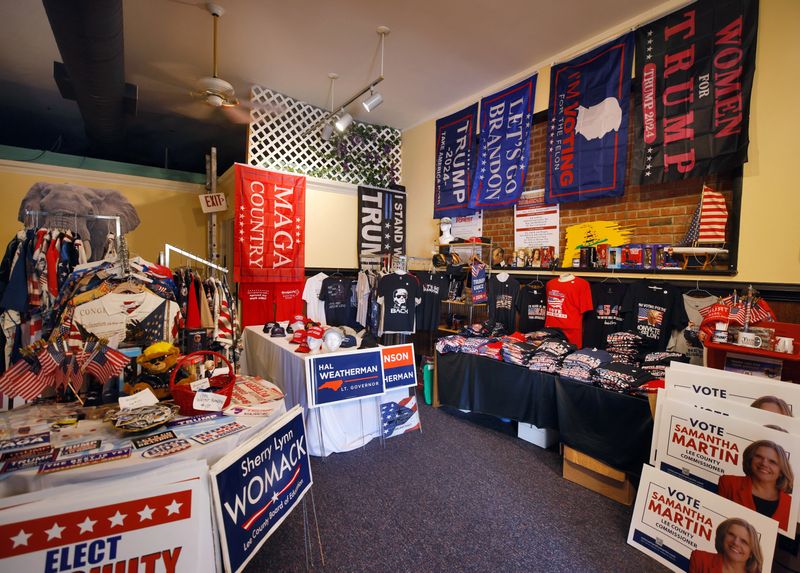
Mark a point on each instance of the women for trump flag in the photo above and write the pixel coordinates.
(587, 145)
(455, 163)
(504, 148)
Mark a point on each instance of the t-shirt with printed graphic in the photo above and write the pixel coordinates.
(532, 308)
(399, 294)
(606, 317)
(687, 341)
(315, 307)
(336, 293)
(653, 311)
(566, 303)
(434, 290)
(503, 301)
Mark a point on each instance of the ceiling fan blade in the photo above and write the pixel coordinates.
(236, 114)
(195, 110)
(178, 76)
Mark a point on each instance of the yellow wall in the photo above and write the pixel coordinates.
(769, 244)
(169, 210)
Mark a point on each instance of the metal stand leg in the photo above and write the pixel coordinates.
(361, 413)
(306, 537)
(319, 431)
(416, 399)
(316, 523)
(380, 422)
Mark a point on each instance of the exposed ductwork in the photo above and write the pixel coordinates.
(89, 35)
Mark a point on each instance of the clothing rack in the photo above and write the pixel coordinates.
(170, 248)
(36, 214)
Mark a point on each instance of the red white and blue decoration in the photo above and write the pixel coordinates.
(504, 147)
(400, 417)
(258, 485)
(695, 68)
(587, 146)
(455, 163)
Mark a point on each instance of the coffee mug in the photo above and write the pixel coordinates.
(784, 344)
(749, 339)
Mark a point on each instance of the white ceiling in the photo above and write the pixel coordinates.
(438, 53)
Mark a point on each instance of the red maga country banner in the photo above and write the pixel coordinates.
(270, 226)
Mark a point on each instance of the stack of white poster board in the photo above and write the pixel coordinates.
(725, 452)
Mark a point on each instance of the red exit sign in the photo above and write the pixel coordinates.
(213, 202)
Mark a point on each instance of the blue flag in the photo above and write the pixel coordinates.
(455, 163)
(587, 144)
(505, 146)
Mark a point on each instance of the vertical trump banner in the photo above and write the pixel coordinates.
(381, 221)
(270, 226)
(455, 163)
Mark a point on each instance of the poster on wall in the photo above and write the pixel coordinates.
(270, 226)
(587, 147)
(504, 147)
(258, 485)
(536, 226)
(468, 226)
(455, 163)
(695, 68)
(381, 221)
(689, 529)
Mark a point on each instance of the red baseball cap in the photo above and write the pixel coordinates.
(299, 337)
(298, 318)
(303, 348)
(316, 332)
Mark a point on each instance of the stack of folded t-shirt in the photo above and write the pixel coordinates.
(620, 377)
(473, 345)
(450, 344)
(516, 352)
(492, 349)
(579, 365)
(624, 347)
(656, 363)
(549, 355)
(538, 336)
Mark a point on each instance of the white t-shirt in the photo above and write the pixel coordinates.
(109, 315)
(686, 341)
(315, 308)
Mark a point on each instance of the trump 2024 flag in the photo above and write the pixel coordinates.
(505, 146)
(455, 163)
(587, 145)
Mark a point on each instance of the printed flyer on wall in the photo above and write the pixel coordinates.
(736, 458)
(689, 529)
(536, 224)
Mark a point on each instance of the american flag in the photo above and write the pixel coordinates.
(400, 417)
(713, 217)
(107, 363)
(152, 326)
(225, 334)
(23, 379)
(694, 230)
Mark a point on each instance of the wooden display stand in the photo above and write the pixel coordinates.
(716, 351)
(597, 476)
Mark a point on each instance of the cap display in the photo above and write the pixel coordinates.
(304, 348)
(298, 337)
(315, 332)
(277, 331)
(268, 327)
(368, 340)
(348, 341)
(333, 339)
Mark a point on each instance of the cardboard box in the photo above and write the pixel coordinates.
(541, 437)
(597, 476)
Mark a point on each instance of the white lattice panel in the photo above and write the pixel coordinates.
(281, 138)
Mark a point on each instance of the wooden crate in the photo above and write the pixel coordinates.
(597, 476)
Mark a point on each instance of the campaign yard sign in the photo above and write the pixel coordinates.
(343, 376)
(399, 366)
(677, 524)
(257, 486)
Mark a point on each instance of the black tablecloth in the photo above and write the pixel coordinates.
(613, 428)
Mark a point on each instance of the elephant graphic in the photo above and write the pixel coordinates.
(66, 206)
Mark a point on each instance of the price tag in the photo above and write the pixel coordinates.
(143, 398)
(201, 384)
(208, 401)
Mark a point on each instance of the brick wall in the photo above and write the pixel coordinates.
(659, 213)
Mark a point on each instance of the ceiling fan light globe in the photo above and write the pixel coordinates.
(214, 100)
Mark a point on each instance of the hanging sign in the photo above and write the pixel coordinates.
(505, 146)
(536, 225)
(270, 226)
(257, 486)
(344, 376)
(587, 147)
(687, 528)
(695, 68)
(213, 202)
(381, 221)
(455, 163)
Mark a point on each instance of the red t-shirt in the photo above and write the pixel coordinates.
(267, 302)
(566, 303)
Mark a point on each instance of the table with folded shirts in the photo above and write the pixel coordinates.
(31, 420)
(333, 428)
(614, 428)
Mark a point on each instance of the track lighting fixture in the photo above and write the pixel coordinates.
(344, 121)
(374, 100)
(327, 132)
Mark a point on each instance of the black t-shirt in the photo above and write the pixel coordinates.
(434, 287)
(606, 316)
(400, 294)
(336, 294)
(653, 311)
(503, 301)
(532, 307)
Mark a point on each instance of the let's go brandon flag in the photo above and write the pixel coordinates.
(695, 68)
(587, 146)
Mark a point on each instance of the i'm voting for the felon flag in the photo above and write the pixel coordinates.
(750, 464)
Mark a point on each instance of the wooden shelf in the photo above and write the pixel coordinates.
(450, 330)
(793, 357)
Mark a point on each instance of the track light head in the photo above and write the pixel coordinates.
(327, 132)
(344, 121)
(373, 101)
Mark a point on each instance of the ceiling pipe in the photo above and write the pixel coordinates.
(89, 35)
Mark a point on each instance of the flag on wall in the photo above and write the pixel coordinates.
(695, 68)
(455, 163)
(587, 144)
(270, 226)
(381, 221)
(504, 148)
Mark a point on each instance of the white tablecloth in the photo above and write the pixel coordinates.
(336, 428)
